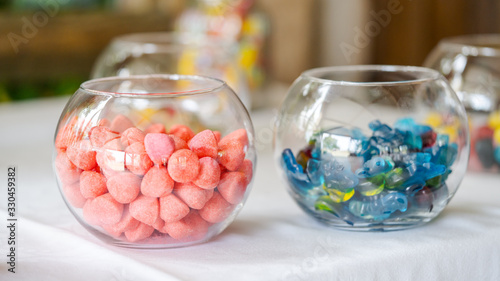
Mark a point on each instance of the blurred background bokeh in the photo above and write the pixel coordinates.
(48, 47)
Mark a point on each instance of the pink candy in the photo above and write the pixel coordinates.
(102, 210)
(217, 136)
(127, 222)
(159, 224)
(239, 135)
(135, 183)
(247, 169)
(132, 135)
(67, 135)
(217, 209)
(157, 182)
(232, 187)
(121, 123)
(183, 166)
(182, 131)
(209, 175)
(172, 208)
(136, 159)
(179, 143)
(92, 184)
(192, 195)
(232, 149)
(100, 135)
(159, 147)
(67, 171)
(82, 155)
(124, 187)
(143, 231)
(145, 209)
(192, 226)
(111, 158)
(156, 128)
(204, 144)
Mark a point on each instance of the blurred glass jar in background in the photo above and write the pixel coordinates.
(170, 52)
(240, 21)
(471, 63)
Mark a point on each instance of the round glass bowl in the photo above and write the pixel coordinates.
(357, 149)
(472, 65)
(154, 161)
(171, 52)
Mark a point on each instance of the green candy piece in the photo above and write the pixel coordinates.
(371, 186)
(325, 203)
(322, 204)
(395, 178)
(434, 182)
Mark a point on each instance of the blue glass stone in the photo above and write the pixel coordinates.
(316, 153)
(411, 190)
(339, 178)
(298, 181)
(414, 169)
(418, 158)
(413, 141)
(444, 154)
(336, 176)
(375, 166)
(290, 162)
(395, 201)
(497, 154)
(381, 207)
(314, 172)
(386, 140)
(408, 124)
(369, 149)
(442, 139)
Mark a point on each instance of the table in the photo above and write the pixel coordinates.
(271, 239)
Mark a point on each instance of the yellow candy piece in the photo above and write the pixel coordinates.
(496, 136)
(494, 120)
(338, 196)
(434, 120)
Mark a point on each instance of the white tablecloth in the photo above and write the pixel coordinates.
(271, 239)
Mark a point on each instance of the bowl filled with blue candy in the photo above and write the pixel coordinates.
(359, 149)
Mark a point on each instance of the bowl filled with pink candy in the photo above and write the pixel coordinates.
(155, 161)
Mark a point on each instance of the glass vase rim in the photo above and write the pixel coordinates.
(486, 45)
(218, 84)
(427, 74)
